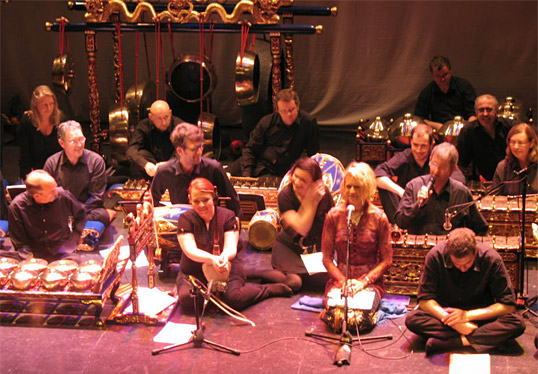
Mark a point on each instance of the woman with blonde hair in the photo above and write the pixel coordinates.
(37, 133)
(370, 248)
(521, 153)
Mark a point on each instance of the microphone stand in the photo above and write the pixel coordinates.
(197, 338)
(343, 352)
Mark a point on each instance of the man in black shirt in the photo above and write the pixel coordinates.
(150, 143)
(422, 209)
(176, 174)
(404, 166)
(482, 143)
(446, 97)
(80, 171)
(45, 221)
(465, 297)
(278, 140)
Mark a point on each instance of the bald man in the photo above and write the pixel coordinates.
(150, 142)
(45, 221)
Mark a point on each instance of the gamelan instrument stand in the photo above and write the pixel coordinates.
(343, 352)
(197, 338)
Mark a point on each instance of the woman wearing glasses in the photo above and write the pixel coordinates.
(521, 153)
(37, 132)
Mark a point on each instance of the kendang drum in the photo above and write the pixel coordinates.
(263, 228)
(332, 172)
(358, 319)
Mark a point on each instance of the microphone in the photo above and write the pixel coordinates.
(350, 209)
(428, 188)
(447, 225)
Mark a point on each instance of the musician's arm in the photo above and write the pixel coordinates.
(328, 249)
(231, 238)
(191, 250)
(300, 221)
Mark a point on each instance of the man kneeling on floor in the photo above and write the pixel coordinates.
(465, 298)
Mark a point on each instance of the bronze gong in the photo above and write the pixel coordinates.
(63, 72)
(183, 77)
(247, 78)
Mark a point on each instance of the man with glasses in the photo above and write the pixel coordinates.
(404, 166)
(150, 144)
(446, 96)
(80, 171)
(278, 140)
(45, 221)
(176, 174)
(422, 209)
(482, 143)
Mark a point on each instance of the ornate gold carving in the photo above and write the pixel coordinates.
(98, 12)
(275, 52)
(95, 121)
(182, 11)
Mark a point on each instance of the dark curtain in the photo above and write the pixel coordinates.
(371, 59)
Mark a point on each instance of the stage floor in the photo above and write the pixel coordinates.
(276, 344)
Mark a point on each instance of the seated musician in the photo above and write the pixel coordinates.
(196, 236)
(45, 221)
(521, 152)
(80, 171)
(278, 140)
(422, 210)
(176, 174)
(303, 205)
(370, 250)
(465, 297)
(406, 165)
(150, 144)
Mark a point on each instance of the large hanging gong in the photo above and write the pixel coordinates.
(183, 77)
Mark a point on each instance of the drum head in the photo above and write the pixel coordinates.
(332, 172)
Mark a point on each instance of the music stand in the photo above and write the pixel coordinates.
(197, 338)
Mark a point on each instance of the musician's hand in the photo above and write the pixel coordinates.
(465, 328)
(357, 286)
(150, 169)
(316, 191)
(423, 195)
(455, 316)
(220, 263)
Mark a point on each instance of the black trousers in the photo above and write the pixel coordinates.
(239, 294)
(488, 335)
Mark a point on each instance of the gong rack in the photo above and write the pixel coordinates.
(185, 16)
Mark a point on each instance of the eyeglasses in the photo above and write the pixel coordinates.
(194, 149)
(80, 140)
(518, 143)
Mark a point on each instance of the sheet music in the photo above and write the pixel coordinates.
(141, 260)
(151, 301)
(363, 300)
(469, 363)
(313, 263)
(175, 333)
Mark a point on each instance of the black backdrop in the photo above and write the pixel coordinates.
(371, 60)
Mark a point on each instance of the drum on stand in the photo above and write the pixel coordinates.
(263, 227)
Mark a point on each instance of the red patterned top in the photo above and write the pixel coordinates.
(370, 248)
